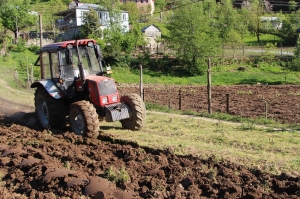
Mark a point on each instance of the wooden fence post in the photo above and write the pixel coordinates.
(141, 82)
(179, 99)
(227, 103)
(209, 87)
(266, 109)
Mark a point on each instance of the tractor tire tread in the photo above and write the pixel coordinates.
(56, 107)
(91, 118)
(138, 112)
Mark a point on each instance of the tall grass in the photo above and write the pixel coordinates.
(271, 75)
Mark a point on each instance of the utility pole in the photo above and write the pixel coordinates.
(41, 30)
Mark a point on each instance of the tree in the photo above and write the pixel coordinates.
(255, 11)
(91, 26)
(133, 11)
(16, 15)
(46, 9)
(228, 23)
(160, 4)
(193, 37)
(292, 5)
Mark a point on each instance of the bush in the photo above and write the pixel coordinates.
(34, 48)
(295, 64)
(117, 176)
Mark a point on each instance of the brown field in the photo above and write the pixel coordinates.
(37, 163)
(280, 102)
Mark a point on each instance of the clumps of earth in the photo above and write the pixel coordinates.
(48, 164)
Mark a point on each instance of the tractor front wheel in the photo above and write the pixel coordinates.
(50, 112)
(84, 119)
(138, 112)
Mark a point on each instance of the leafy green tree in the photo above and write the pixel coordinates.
(113, 39)
(91, 27)
(292, 5)
(132, 39)
(133, 11)
(47, 9)
(192, 36)
(228, 23)
(288, 31)
(16, 15)
(256, 10)
(160, 5)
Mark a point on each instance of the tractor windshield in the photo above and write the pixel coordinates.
(90, 63)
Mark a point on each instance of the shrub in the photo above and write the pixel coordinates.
(33, 48)
(117, 176)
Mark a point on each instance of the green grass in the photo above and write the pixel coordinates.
(228, 75)
(272, 151)
(251, 40)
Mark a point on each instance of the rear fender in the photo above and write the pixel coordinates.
(50, 87)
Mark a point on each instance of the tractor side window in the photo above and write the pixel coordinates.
(85, 61)
(54, 61)
(93, 59)
(46, 65)
(67, 69)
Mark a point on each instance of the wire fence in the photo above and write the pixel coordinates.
(161, 48)
(280, 103)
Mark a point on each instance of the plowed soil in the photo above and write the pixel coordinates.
(37, 163)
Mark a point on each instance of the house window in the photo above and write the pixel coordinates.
(124, 17)
(83, 15)
(104, 15)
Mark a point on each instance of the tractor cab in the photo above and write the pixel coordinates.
(64, 63)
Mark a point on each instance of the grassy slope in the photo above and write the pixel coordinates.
(221, 75)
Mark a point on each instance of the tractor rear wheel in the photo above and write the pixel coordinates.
(138, 112)
(50, 112)
(84, 119)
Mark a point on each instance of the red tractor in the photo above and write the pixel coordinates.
(73, 85)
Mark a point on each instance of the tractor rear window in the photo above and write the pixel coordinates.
(107, 87)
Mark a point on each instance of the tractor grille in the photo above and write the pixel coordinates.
(115, 112)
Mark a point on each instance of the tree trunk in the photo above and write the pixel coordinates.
(16, 33)
(258, 38)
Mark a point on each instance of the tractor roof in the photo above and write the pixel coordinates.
(63, 44)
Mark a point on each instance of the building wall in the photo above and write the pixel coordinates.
(152, 31)
(142, 4)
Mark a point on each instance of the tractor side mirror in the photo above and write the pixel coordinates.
(98, 52)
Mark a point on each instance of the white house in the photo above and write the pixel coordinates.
(71, 20)
(271, 22)
(151, 31)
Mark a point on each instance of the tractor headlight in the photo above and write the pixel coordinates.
(114, 98)
(104, 100)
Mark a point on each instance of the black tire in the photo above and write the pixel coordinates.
(138, 112)
(84, 119)
(50, 111)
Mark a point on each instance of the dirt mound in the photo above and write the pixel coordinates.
(42, 164)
